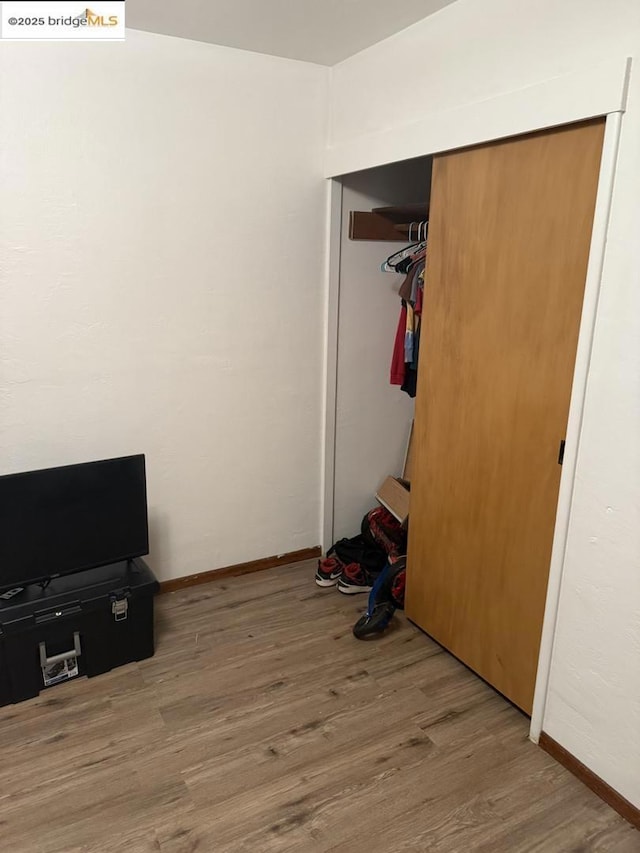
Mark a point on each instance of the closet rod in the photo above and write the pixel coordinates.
(405, 226)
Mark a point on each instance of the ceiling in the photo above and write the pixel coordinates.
(322, 31)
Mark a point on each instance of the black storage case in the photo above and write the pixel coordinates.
(106, 613)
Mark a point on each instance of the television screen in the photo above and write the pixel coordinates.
(62, 520)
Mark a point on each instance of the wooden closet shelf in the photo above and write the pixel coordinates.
(405, 213)
(386, 223)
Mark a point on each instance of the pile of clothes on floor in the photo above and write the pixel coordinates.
(372, 562)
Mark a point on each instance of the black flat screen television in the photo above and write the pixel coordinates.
(63, 520)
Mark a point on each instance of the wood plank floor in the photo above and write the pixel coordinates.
(262, 725)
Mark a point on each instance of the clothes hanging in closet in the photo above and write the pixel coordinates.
(404, 362)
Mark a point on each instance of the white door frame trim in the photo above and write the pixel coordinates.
(598, 91)
(576, 411)
(333, 248)
(591, 92)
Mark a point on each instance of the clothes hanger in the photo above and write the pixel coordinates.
(408, 250)
(402, 260)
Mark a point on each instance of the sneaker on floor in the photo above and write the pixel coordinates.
(328, 571)
(355, 579)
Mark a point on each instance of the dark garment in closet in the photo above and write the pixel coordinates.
(410, 384)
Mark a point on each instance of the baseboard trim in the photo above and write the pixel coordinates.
(241, 569)
(588, 777)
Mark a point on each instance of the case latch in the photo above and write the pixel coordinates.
(120, 606)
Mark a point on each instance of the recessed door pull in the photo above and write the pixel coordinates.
(561, 453)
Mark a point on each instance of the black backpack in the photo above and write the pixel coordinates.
(359, 549)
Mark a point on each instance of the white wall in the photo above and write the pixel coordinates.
(161, 217)
(472, 51)
(372, 416)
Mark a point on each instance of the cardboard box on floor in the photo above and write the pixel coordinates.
(394, 492)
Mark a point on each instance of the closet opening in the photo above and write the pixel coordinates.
(384, 210)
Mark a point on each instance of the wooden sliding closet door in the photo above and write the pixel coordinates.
(509, 236)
